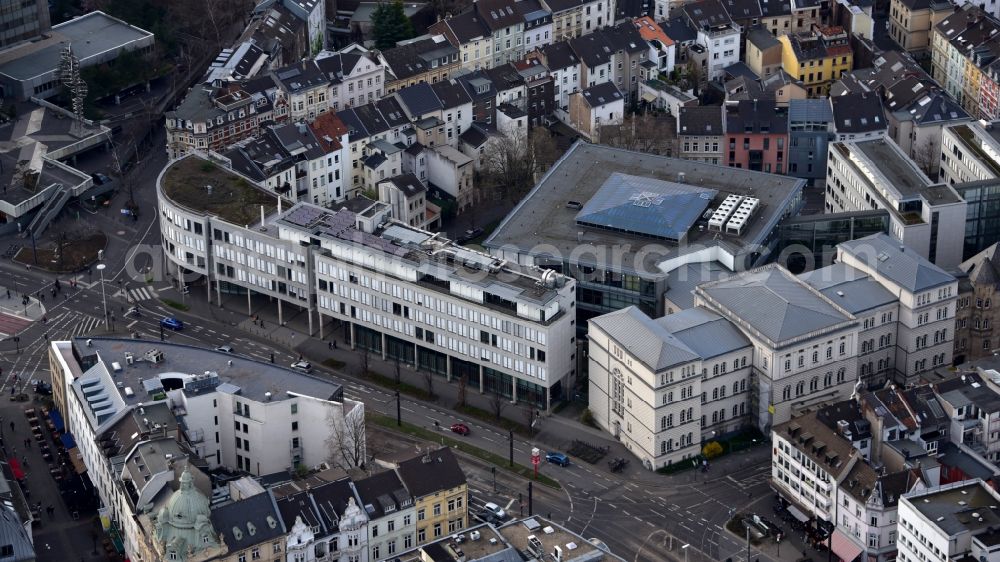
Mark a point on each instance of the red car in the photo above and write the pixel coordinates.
(460, 428)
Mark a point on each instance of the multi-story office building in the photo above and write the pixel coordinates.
(970, 163)
(938, 521)
(399, 291)
(928, 218)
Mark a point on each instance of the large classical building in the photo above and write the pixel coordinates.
(762, 346)
(399, 291)
(979, 306)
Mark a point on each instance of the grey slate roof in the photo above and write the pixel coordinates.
(774, 303)
(419, 99)
(906, 268)
(247, 522)
(382, 491)
(559, 55)
(12, 534)
(705, 332)
(645, 338)
(762, 38)
(679, 30)
(684, 279)
(707, 13)
(848, 287)
(601, 94)
(984, 268)
(408, 184)
(434, 472)
(701, 120)
(809, 110)
(858, 113)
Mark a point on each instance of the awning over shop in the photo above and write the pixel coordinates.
(648, 97)
(57, 420)
(797, 513)
(844, 547)
(67, 440)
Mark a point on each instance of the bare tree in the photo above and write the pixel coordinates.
(510, 163)
(365, 360)
(429, 383)
(346, 442)
(497, 403)
(529, 418)
(694, 76)
(463, 383)
(397, 370)
(641, 133)
(925, 155)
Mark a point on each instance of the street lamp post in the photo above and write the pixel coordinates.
(104, 299)
(684, 547)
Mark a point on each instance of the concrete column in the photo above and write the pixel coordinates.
(384, 344)
(249, 306)
(513, 390)
(208, 288)
(548, 401)
(309, 315)
(416, 357)
(480, 379)
(218, 291)
(319, 314)
(447, 367)
(281, 316)
(354, 344)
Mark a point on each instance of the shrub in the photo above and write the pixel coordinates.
(587, 418)
(712, 450)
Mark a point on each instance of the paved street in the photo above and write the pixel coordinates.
(639, 514)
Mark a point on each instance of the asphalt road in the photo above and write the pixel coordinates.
(646, 518)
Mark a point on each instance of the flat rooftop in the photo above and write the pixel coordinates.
(448, 549)
(254, 378)
(231, 197)
(437, 259)
(902, 173)
(544, 223)
(969, 507)
(91, 35)
(969, 137)
(550, 535)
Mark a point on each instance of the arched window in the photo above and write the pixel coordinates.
(814, 384)
(786, 393)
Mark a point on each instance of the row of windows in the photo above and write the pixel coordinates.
(786, 393)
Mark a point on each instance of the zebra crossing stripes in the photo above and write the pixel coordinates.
(139, 294)
(86, 325)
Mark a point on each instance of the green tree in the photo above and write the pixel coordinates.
(390, 24)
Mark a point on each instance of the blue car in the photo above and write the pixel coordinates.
(172, 323)
(557, 458)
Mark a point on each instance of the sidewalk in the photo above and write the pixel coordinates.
(552, 432)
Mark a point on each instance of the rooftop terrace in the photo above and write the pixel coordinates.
(967, 135)
(205, 187)
(966, 507)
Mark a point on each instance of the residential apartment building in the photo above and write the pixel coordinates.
(911, 23)
(595, 107)
(718, 37)
(858, 116)
(700, 134)
(212, 118)
(935, 520)
(757, 134)
(954, 41)
(469, 34)
(440, 494)
(575, 18)
(928, 218)
(504, 20)
(817, 58)
(664, 399)
(391, 514)
(429, 58)
(809, 132)
(764, 52)
(564, 65)
(326, 520)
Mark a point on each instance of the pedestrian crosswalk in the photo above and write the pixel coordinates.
(85, 325)
(139, 294)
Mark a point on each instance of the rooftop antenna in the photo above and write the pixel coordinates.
(69, 73)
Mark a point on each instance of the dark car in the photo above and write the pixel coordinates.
(557, 458)
(460, 428)
(470, 235)
(172, 323)
(99, 178)
(43, 388)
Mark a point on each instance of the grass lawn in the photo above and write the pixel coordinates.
(175, 304)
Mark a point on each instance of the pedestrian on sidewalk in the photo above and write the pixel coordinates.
(334, 342)
(329, 345)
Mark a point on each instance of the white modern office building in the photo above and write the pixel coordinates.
(956, 521)
(399, 291)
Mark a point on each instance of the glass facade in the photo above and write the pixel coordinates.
(982, 224)
(810, 242)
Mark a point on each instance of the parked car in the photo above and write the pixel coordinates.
(225, 348)
(470, 235)
(460, 428)
(171, 323)
(43, 388)
(99, 178)
(495, 510)
(557, 458)
(303, 366)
